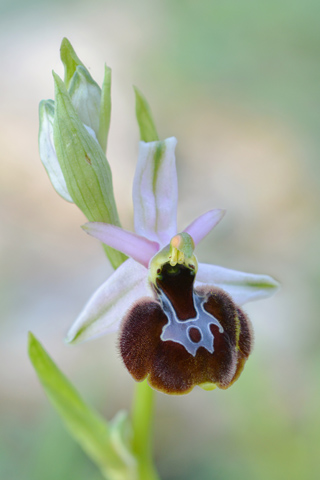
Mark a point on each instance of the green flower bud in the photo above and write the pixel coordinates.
(84, 166)
(92, 104)
(73, 131)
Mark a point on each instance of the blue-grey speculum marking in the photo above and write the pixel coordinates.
(179, 330)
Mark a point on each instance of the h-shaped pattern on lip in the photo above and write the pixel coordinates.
(179, 331)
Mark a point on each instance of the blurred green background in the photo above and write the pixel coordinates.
(238, 84)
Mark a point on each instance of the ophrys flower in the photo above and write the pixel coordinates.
(181, 323)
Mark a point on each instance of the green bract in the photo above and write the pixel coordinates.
(69, 59)
(148, 131)
(105, 109)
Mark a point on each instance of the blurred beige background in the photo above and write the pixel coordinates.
(238, 84)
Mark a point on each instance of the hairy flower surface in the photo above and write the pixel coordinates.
(180, 322)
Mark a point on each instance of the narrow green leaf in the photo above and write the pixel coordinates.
(86, 426)
(69, 59)
(84, 166)
(148, 132)
(105, 109)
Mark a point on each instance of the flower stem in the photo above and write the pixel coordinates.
(142, 413)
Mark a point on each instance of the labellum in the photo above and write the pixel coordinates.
(186, 336)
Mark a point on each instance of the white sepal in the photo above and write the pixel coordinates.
(242, 287)
(108, 305)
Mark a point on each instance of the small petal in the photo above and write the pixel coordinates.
(155, 191)
(109, 304)
(139, 248)
(243, 287)
(203, 225)
(47, 150)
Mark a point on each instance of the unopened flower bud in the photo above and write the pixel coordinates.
(73, 131)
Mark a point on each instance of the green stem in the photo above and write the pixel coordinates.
(142, 414)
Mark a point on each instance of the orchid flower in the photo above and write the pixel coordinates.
(180, 321)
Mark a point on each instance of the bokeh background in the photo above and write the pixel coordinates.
(237, 82)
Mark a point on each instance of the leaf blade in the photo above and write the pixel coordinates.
(85, 425)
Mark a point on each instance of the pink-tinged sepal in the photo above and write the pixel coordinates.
(203, 225)
(135, 246)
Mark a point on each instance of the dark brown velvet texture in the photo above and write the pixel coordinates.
(168, 365)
